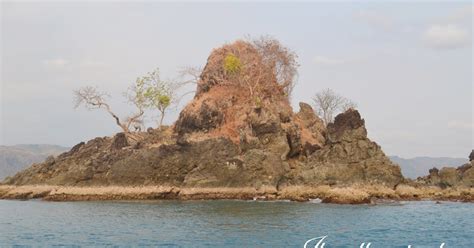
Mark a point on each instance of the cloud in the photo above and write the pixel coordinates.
(460, 125)
(446, 37)
(56, 63)
(322, 60)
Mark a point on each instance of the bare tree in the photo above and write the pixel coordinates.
(280, 60)
(327, 103)
(136, 96)
(189, 75)
(91, 98)
(348, 104)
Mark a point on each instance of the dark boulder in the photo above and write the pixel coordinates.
(206, 117)
(120, 141)
(264, 122)
(347, 126)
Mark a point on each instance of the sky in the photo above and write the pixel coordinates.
(408, 66)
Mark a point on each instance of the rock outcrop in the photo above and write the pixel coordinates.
(463, 176)
(229, 136)
(348, 157)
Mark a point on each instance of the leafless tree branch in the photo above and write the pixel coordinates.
(327, 103)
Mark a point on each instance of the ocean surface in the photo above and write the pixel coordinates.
(234, 224)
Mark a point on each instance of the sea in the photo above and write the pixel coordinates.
(232, 223)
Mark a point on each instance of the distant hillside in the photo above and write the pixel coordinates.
(17, 157)
(419, 166)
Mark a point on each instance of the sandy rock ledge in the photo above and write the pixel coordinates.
(327, 194)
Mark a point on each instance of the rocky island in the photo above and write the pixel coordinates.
(238, 138)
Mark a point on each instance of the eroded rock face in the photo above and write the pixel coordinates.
(274, 155)
(449, 176)
(349, 157)
(313, 131)
(205, 117)
(467, 176)
(347, 126)
(264, 122)
(471, 156)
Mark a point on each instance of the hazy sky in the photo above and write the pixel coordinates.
(407, 65)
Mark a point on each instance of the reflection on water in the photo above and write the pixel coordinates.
(234, 224)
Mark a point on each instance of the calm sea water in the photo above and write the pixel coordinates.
(234, 224)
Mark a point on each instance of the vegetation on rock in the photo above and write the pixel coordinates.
(232, 64)
(148, 92)
(327, 103)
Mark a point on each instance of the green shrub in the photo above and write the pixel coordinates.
(232, 64)
(258, 102)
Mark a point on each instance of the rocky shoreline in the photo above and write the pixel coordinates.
(327, 194)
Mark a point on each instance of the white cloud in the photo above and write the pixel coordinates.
(460, 125)
(446, 37)
(57, 62)
(322, 60)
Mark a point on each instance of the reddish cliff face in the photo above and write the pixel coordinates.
(238, 131)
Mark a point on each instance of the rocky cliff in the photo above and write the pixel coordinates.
(229, 135)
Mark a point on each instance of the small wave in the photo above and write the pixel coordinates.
(316, 200)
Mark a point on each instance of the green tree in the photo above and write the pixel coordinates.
(156, 93)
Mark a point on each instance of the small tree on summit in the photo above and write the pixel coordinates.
(189, 75)
(327, 103)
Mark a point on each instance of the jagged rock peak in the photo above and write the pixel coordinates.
(347, 126)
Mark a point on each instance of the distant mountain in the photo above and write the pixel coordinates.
(18, 157)
(419, 166)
